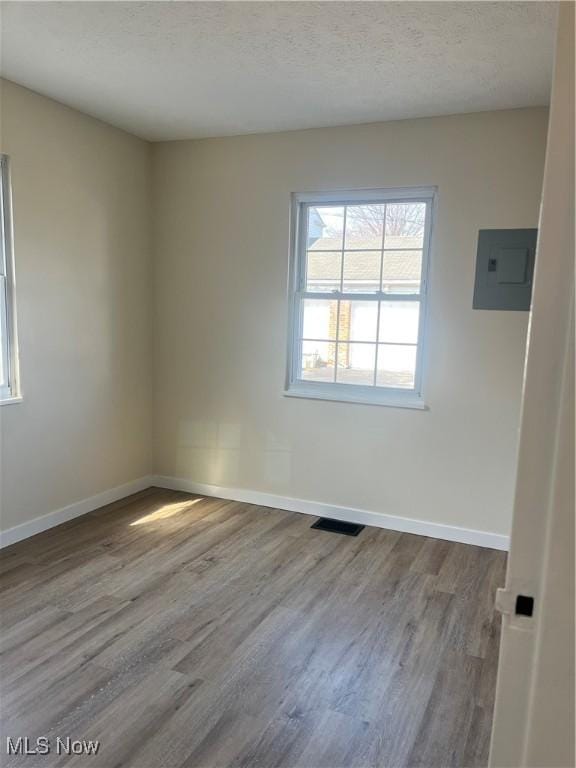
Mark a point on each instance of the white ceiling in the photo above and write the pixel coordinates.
(173, 70)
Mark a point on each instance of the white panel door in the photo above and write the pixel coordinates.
(534, 714)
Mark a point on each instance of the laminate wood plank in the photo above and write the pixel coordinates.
(146, 708)
(478, 739)
(187, 632)
(238, 684)
(335, 742)
(448, 715)
(431, 556)
(19, 633)
(60, 697)
(60, 636)
(225, 741)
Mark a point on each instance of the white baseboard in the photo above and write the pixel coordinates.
(361, 516)
(82, 507)
(315, 508)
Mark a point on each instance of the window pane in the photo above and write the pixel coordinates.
(325, 227)
(401, 271)
(405, 225)
(396, 366)
(356, 364)
(317, 362)
(319, 318)
(399, 321)
(358, 321)
(361, 271)
(352, 332)
(364, 226)
(323, 271)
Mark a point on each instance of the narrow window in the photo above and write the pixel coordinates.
(358, 295)
(9, 386)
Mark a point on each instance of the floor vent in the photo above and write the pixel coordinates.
(337, 526)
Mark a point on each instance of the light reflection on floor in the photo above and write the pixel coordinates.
(168, 510)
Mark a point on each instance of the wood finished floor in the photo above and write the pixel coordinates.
(196, 633)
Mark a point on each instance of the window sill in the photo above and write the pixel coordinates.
(389, 400)
(11, 400)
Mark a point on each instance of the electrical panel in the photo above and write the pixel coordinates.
(504, 269)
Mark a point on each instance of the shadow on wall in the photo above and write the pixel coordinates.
(215, 453)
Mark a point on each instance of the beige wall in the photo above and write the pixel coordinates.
(82, 219)
(81, 195)
(221, 261)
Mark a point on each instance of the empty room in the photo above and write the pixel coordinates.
(287, 384)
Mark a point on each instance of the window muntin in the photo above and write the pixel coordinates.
(358, 294)
(8, 353)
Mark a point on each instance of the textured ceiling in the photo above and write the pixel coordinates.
(173, 70)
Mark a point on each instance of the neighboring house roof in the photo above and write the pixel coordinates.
(316, 226)
(399, 266)
(372, 243)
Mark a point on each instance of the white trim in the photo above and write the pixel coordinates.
(319, 509)
(367, 195)
(7, 266)
(315, 508)
(78, 508)
(11, 399)
(337, 391)
(341, 393)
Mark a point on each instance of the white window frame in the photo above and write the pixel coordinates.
(373, 395)
(10, 390)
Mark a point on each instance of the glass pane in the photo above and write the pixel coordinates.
(325, 227)
(399, 321)
(361, 271)
(401, 271)
(405, 225)
(364, 226)
(319, 319)
(396, 366)
(358, 321)
(317, 362)
(356, 364)
(323, 271)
